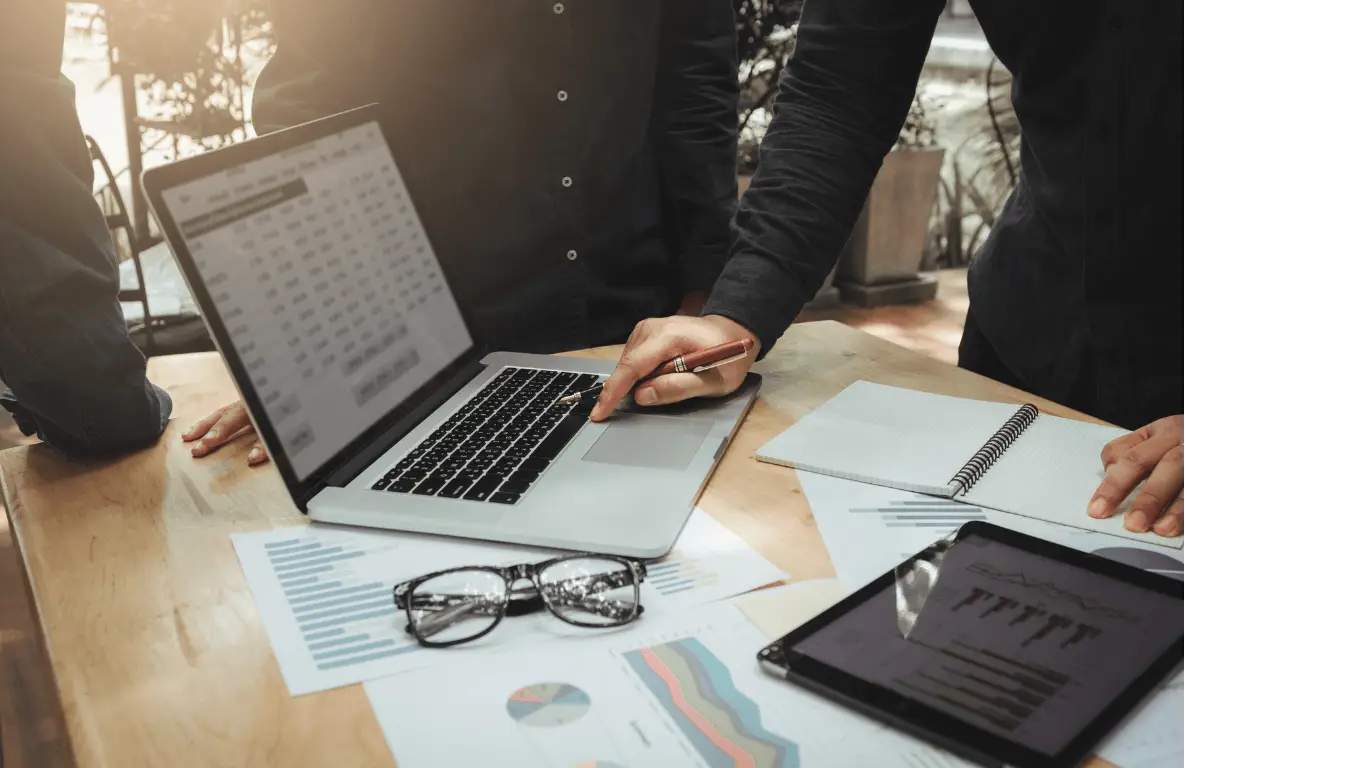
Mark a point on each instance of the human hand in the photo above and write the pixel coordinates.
(222, 427)
(1156, 452)
(662, 338)
(693, 301)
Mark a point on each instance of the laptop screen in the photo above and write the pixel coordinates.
(326, 285)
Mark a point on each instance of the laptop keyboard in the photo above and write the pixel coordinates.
(499, 443)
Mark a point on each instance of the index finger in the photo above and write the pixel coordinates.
(635, 363)
(1117, 447)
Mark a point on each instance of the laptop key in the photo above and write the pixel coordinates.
(559, 437)
(482, 489)
(457, 486)
(381, 484)
(524, 476)
(513, 486)
(504, 498)
(401, 486)
(429, 487)
(535, 464)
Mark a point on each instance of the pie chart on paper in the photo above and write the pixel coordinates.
(547, 704)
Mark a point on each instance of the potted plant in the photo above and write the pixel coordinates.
(881, 263)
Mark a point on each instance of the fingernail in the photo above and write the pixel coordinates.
(1165, 525)
(213, 433)
(1097, 508)
(1134, 522)
(256, 453)
(647, 397)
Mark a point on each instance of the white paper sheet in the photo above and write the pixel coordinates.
(325, 594)
(869, 529)
(690, 694)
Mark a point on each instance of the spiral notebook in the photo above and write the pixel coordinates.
(995, 455)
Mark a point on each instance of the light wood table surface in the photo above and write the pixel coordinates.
(156, 647)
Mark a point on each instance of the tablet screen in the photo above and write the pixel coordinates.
(1009, 641)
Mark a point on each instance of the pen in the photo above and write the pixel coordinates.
(693, 362)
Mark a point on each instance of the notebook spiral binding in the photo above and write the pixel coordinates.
(994, 448)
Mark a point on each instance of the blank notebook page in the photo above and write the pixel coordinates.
(1051, 472)
(900, 438)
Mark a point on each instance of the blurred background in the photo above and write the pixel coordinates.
(161, 79)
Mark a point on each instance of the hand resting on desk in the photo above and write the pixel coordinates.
(1156, 453)
(222, 427)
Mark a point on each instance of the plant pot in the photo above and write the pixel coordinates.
(828, 295)
(881, 263)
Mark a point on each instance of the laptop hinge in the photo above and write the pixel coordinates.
(404, 424)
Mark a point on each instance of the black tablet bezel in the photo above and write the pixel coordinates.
(158, 181)
(957, 735)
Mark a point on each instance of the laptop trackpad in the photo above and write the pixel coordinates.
(655, 442)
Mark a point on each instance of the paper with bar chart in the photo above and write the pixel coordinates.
(708, 563)
(325, 593)
(688, 694)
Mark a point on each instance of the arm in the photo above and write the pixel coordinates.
(322, 61)
(77, 380)
(843, 99)
(693, 131)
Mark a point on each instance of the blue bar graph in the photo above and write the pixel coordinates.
(277, 554)
(329, 593)
(287, 579)
(936, 514)
(396, 651)
(312, 586)
(285, 569)
(340, 615)
(308, 553)
(336, 641)
(674, 576)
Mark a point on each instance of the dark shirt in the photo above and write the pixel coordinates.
(75, 377)
(1079, 288)
(574, 161)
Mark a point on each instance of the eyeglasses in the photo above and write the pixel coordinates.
(463, 604)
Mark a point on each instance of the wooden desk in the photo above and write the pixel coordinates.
(157, 650)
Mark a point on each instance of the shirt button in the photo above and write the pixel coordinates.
(567, 182)
(571, 255)
(562, 96)
(558, 8)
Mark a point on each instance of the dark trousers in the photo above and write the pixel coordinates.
(976, 354)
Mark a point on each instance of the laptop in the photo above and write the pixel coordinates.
(368, 387)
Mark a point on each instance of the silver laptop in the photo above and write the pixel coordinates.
(371, 393)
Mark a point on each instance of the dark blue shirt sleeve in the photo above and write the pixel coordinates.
(694, 125)
(844, 97)
(75, 377)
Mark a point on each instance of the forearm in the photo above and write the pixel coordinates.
(694, 127)
(843, 100)
(64, 351)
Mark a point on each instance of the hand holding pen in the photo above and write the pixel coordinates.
(670, 359)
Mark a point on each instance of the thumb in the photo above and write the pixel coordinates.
(677, 387)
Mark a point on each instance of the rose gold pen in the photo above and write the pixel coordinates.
(693, 362)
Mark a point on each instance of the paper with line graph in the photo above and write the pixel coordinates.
(325, 594)
(687, 694)
(708, 563)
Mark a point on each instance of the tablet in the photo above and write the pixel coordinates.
(1000, 647)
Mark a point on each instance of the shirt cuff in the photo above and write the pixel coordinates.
(760, 295)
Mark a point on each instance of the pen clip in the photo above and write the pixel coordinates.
(720, 363)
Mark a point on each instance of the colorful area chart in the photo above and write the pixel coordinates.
(697, 691)
(546, 704)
